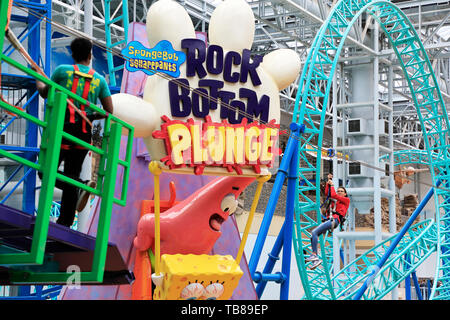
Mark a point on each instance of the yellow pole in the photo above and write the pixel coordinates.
(156, 170)
(251, 214)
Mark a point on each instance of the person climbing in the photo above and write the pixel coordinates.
(84, 81)
(337, 211)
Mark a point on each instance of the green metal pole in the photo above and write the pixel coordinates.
(3, 20)
(104, 221)
(53, 135)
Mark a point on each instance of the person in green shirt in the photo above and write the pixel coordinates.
(90, 85)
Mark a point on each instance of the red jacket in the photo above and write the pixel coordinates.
(341, 205)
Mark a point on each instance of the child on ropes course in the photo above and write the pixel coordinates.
(337, 211)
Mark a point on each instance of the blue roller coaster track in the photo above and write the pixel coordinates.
(420, 240)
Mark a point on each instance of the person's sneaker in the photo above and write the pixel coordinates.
(84, 196)
(312, 257)
(315, 264)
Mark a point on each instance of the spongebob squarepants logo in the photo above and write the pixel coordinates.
(161, 58)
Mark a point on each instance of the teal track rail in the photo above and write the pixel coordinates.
(318, 73)
(411, 156)
(416, 246)
(109, 21)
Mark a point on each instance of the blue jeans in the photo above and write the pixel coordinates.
(321, 229)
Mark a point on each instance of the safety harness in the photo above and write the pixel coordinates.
(87, 86)
(341, 220)
(327, 204)
(330, 212)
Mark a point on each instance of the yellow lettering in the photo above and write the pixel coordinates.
(234, 145)
(131, 50)
(92, 88)
(180, 140)
(216, 143)
(269, 138)
(95, 82)
(197, 150)
(252, 146)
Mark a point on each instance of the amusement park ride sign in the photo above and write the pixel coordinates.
(207, 108)
(239, 139)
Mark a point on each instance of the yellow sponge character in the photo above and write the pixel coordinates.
(191, 277)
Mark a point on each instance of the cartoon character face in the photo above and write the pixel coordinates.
(198, 277)
(223, 73)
